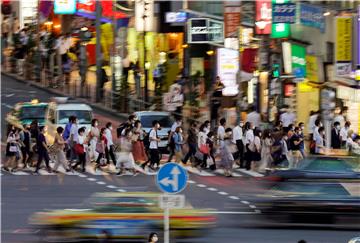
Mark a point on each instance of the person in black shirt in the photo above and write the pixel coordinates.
(335, 136)
(25, 137)
(294, 143)
(192, 142)
(43, 150)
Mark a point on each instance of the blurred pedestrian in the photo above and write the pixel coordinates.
(93, 138)
(43, 150)
(138, 149)
(73, 137)
(341, 114)
(227, 159)
(125, 160)
(335, 136)
(191, 141)
(59, 146)
(11, 150)
(318, 125)
(314, 115)
(294, 145)
(267, 143)
(249, 139)
(288, 117)
(237, 136)
(344, 133)
(349, 140)
(80, 149)
(179, 142)
(301, 135)
(221, 131)
(171, 143)
(154, 146)
(212, 149)
(25, 137)
(255, 148)
(101, 146)
(109, 150)
(207, 126)
(153, 238)
(320, 141)
(254, 117)
(202, 145)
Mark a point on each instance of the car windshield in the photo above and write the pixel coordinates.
(123, 204)
(32, 112)
(328, 164)
(165, 121)
(84, 117)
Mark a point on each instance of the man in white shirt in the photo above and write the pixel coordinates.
(249, 139)
(73, 137)
(340, 117)
(288, 117)
(311, 126)
(237, 139)
(254, 117)
(153, 148)
(344, 133)
(221, 130)
(109, 150)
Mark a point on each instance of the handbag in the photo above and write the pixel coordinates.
(79, 149)
(13, 148)
(99, 148)
(204, 148)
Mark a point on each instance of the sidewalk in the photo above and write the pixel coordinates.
(71, 92)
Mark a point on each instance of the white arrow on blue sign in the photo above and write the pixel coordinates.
(171, 178)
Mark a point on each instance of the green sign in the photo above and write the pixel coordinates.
(280, 30)
(298, 54)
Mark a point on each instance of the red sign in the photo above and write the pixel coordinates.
(232, 20)
(289, 90)
(88, 6)
(263, 17)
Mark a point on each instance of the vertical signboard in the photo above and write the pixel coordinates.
(263, 14)
(228, 67)
(358, 36)
(144, 15)
(343, 46)
(312, 68)
(284, 13)
(231, 18)
(298, 60)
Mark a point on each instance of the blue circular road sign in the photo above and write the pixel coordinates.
(171, 178)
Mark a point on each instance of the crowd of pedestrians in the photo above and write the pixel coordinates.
(201, 146)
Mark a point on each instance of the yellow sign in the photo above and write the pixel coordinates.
(312, 68)
(343, 39)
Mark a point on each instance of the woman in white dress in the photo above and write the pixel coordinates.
(93, 137)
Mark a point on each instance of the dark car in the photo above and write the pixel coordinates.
(320, 167)
(310, 203)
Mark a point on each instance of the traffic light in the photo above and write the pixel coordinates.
(276, 71)
(6, 7)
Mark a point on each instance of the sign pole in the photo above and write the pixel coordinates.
(166, 224)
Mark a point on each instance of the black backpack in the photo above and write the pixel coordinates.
(120, 129)
(146, 140)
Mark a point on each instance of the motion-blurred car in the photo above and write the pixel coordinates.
(320, 167)
(327, 203)
(26, 112)
(120, 216)
(59, 111)
(147, 117)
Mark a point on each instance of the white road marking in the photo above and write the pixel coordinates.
(252, 206)
(212, 189)
(121, 190)
(245, 202)
(223, 193)
(111, 186)
(251, 173)
(9, 95)
(20, 173)
(222, 172)
(191, 182)
(201, 185)
(91, 179)
(82, 175)
(198, 172)
(100, 182)
(234, 197)
(7, 106)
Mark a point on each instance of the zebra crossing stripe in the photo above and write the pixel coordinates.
(249, 172)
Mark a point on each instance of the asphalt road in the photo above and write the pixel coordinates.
(23, 194)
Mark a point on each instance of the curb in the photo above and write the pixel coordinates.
(98, 107)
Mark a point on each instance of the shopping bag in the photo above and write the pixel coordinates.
(204, 148)
(79, 149)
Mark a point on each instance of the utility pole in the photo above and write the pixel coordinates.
(98, 51)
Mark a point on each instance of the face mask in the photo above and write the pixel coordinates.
(96, 124)
(241, 124)
(302, 128)
(320, 125)
(155, 238)
(337, 127)
(110, 128)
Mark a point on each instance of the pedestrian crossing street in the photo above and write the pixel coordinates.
(237, 172)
